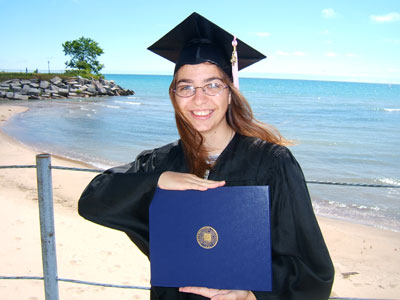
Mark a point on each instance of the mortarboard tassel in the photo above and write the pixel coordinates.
(234, 61)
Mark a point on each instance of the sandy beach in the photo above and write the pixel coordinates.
(366, 259)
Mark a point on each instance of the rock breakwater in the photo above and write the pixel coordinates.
(57, 88)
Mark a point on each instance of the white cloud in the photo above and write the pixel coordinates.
(263, 34)
(299, 53)
(351, 55)
(390, 17)
(330, 54)
(328, 13)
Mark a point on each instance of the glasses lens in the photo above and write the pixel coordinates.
(213, 89)
(185, 90)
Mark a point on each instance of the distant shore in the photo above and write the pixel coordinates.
(365, 258)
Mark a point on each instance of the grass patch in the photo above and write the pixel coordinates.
(41, 76)
(47, 76)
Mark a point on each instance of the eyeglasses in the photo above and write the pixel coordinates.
(210, 89)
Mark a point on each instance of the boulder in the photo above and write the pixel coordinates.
(44, 84)
(98, 85)
(54, 88)
(15, 85)
(103, 91)
(56, 96)
(20, 97)
(56, 80)
(89, 94)
(34, 92)
(45, 95)
(25, 89)
(63, 92)
(92, 89)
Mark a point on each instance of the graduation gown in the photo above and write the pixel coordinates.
(302, 269)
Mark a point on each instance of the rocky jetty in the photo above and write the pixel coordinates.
(57, 88)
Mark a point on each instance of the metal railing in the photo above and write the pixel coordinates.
(46, 213)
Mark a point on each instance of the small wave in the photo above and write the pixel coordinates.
(358, 207)
(337, 204)
(391, 181)
(391, 109)
(127, 102)
(106, 105)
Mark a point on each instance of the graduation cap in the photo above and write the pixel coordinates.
(197, 40)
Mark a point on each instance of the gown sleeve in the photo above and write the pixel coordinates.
(120, 197)
(301, 265)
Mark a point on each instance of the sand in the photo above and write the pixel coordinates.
(366, 259)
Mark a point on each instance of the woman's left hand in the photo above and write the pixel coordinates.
(215, 294)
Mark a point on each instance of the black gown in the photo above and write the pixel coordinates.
(302, 269)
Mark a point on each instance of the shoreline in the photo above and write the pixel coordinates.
(365, 257)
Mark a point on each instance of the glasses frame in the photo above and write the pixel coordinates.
(194, 90)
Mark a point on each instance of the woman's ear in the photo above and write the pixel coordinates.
(229, 97)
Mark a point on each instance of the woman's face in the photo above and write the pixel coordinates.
(207, 114)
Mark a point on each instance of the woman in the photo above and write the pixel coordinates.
(221, 144)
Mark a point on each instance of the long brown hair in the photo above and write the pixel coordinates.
(239, 117)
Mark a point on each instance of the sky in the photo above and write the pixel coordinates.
(340, 40)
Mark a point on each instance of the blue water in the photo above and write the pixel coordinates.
(346, 132)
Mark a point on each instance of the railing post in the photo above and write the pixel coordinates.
(47, 232)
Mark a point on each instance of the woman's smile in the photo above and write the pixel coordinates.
(202, 114)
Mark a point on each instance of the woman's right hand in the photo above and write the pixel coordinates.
(185, 181)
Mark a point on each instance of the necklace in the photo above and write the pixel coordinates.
(212, 158)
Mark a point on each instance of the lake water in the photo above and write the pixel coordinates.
(346, 132)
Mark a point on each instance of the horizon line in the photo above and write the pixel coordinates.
(279, 76)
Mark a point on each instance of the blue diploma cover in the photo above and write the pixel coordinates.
(219, 238)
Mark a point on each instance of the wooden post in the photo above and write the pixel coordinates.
(47, 232)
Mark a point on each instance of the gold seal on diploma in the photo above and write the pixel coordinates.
(207, 237)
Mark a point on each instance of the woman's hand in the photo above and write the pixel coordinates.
(215, 294)
(184, 181)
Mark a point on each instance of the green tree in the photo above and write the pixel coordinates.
(84, 53)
